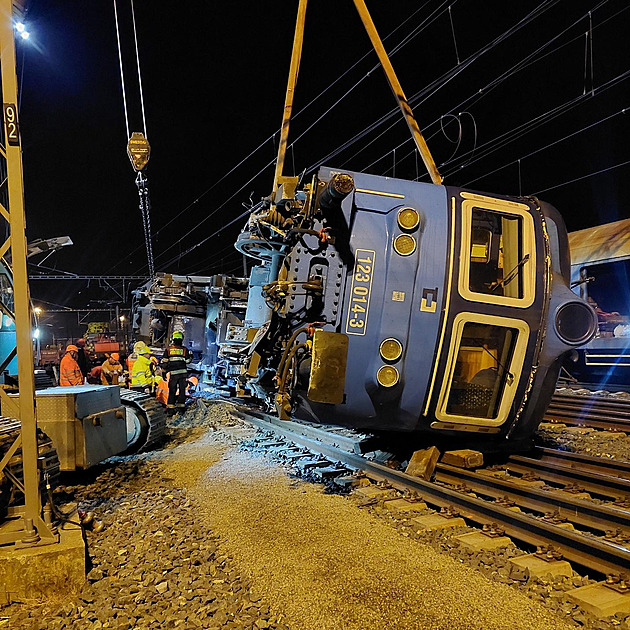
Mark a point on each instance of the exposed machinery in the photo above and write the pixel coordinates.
(209, 310)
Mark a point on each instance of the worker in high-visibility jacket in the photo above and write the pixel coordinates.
(69, 371)
(132, 358)
(142, 373)
(175, 361)
(111, 370)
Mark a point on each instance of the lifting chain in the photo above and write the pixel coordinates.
(145, 211)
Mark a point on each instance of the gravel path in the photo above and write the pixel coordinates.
(202, 535)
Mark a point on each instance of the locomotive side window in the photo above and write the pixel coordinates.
(495, 254)
(498, 254)
(483, 369)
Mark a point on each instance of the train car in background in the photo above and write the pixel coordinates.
(600, 274)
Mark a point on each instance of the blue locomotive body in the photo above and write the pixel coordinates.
(403, 306)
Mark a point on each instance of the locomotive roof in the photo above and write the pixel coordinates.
(603, 243)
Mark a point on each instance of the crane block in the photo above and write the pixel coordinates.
(138, 150)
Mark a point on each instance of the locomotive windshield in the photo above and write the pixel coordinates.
(496, 256)
(498, 252)
(481, 370)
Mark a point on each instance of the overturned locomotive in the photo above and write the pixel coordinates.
(386, 304)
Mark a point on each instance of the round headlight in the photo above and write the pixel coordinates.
(575, 323)
(405, 245)
(391, 349)
(387, 376)
(408, 218)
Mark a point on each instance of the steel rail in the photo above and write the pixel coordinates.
(592, 553)
(581, 512)
(594, 411)
(585, 462)
(595, 482)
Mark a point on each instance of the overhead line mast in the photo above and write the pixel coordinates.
(392, 79)
(32, 530)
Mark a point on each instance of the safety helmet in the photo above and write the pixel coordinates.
(115, 356)
(178, 334)
(138, 345)
(71, 348)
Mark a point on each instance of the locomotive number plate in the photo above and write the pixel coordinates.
(359, 303)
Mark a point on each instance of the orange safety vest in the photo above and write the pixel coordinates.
(130, 361)
(69, 372)
(161, 393)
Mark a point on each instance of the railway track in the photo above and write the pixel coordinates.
(578, 504)
(590, 409)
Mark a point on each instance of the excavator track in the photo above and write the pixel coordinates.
(47, 455)
(146, 420)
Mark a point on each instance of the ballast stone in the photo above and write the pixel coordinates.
(464, 458)
(422, 463)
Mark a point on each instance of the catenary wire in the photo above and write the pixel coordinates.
(527, 61)
(531, 16)
(547, 146)
(272, 136)
(221, 229)
(577, 179)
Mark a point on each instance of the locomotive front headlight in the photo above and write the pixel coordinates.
(408, 218)
(391, 349)
(387, 376)
(405, 245)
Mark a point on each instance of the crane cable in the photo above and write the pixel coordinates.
(141, 179)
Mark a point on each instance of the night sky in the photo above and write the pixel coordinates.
(214, 77)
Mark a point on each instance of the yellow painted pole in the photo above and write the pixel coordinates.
(296, 54)
(418, 138)
(34, 526)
